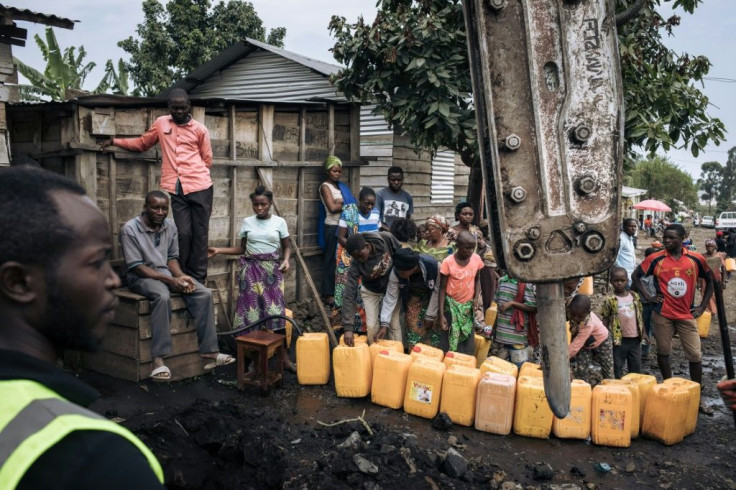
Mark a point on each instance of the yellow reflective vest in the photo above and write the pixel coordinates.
(34, 418)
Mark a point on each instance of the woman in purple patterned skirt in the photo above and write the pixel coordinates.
(261, 275)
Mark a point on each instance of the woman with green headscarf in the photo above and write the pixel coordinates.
(334, 195)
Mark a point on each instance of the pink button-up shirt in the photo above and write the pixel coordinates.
(186, 149)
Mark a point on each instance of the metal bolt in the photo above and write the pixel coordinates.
(524, 250)
(518, 194)
(593, 242)
(587, 184)
(497, 4)
(580, 227)
(581, 133)
(534, 233)
(512, 142)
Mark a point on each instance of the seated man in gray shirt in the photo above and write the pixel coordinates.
(151, 250)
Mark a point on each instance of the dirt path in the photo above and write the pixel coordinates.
(209, 435)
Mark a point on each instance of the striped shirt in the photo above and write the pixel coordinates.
(506, 332)
(366, 224)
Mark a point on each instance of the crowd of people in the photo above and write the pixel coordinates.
(386, 277)
(431, 283)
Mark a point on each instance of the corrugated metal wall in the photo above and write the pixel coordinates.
(431, 181)
(376, 146)
(268, 77)
(443, 177)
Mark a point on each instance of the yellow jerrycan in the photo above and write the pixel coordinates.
(313, 359)
(459, 389)
(424, 387)
(390, 370)
(611, 416)
(352, 368)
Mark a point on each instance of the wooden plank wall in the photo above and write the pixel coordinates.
(291, 141)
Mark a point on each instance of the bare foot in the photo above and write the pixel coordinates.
(289, 366)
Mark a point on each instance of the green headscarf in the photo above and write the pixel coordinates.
(332, 161)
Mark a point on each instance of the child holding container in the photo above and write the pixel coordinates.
(590, 341)
(622, 315)
(459, 295)
(516, 321)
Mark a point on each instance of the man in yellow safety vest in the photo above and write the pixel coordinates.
(56, 293)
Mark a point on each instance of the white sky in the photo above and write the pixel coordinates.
(102, 23)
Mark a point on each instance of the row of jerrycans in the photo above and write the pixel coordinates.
(499, 396)
(422, 382)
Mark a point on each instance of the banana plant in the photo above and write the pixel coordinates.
(115, 81)
(64, 70)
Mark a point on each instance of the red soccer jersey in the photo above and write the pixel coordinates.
(676, 280)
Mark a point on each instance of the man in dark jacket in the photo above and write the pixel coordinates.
(371, 264)
(415, 280)
(56, 293)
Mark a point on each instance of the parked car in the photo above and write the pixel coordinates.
(726, 220)
(708, 222)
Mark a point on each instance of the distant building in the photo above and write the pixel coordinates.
(629, 197)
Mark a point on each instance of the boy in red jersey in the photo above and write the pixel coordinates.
(677, 271)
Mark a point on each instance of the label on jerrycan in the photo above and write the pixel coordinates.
(421, 392)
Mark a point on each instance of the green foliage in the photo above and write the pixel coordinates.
(710, 181)
(664, 107)
(412, 62)
(64, 70)
(727, 187)
(115, 80)
(181, 36)
(664, 181)
(718, 182)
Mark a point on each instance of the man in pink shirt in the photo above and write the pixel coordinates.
(590, 341)
(185, 175)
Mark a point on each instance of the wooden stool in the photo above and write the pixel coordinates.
(259, 344)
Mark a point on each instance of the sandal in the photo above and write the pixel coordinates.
(220, 360)
(161, 374)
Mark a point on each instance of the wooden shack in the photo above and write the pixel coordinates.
(13, 35)
(286, 141)
(257, 70)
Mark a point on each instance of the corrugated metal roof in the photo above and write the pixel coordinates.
(37, 17)
(316, 65)
(443, 177)
(632, 191)
(289, 71)
(109, 100)
(265, 75)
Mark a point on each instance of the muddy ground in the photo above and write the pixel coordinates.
(207, 434)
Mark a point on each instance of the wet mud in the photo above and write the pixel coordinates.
(209, 435)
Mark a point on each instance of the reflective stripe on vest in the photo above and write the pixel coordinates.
(33, 419)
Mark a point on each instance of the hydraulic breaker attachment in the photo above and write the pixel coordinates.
(549, 105)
